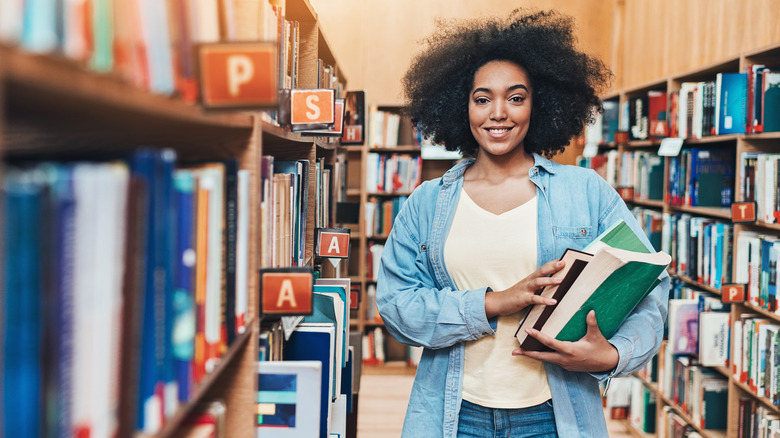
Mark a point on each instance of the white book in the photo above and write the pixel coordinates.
(714, 338)
(101, 199)
(11, 19)
(369, 209)
(205, 27)
(769, 187)
(288, 398)
(338, 421)
(736, 354)
(242, 250)
(339, 355)
(346, 283)
(372, 172)
(379, 344)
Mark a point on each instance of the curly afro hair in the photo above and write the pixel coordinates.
(565, 82)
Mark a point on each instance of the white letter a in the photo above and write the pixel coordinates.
(286, 294)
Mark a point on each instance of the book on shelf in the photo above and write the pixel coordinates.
(702, 177)
(730, 103)
(638, 116)
(128, 228)
(384, 127)
(354, 118)
(298, 198)
(714, 337)
(316, 342)
(643, 407)
(658, 126)
(289, 403)
(612, 271)
(609, 121)
(683, 326)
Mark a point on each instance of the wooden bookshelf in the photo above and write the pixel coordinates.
(53, 108)
(739, 143)
(707, 433)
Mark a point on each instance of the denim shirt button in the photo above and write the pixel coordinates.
(423, 247)
(583, 231)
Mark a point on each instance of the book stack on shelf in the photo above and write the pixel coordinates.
(134, 219)
(717, 370)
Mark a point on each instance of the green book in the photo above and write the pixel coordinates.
(619, 235)
(621, 273)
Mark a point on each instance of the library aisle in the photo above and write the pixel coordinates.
(383, 404)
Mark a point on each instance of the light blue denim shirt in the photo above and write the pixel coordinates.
(421, 306)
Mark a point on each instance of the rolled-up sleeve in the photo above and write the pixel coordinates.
(638, 338)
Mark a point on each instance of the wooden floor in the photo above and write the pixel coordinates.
(383, 401)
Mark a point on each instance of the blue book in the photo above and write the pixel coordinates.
(59, 319)
(167, 261)
(324, 308)
(39, 29)
(316, 342)
(347, 375)
(21, 308)
(156, 370)
(184, 314)
(730, 103)
(231, 230)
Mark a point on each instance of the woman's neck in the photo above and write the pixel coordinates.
(500, 168)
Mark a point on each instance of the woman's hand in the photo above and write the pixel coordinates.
(523, 293)
(593, 353)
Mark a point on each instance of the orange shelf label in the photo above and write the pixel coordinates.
(332, 243)
(312, 106)
(286, 291)
(238, 75)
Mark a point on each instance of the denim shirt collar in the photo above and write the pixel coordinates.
(459, 169)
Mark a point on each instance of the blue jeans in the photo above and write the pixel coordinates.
(480, 422)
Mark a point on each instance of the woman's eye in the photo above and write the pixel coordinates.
(481, 100)
(517, 99)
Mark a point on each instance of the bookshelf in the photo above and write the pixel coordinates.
(736, 145)
(54, 108)
(405, 147)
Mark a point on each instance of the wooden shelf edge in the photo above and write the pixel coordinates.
(647, 203)
(707, 433)
(652, 386)
(693, 282)
(173, 424)
(768, 313)
(764, 400)
(720, 213)
(62, 78)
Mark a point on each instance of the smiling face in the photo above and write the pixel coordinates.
(500, 107)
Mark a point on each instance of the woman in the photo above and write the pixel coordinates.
(468, 250)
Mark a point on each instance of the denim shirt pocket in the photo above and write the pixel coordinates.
(574, 237)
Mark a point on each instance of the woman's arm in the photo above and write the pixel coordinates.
(417, 312)
(636, 340)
